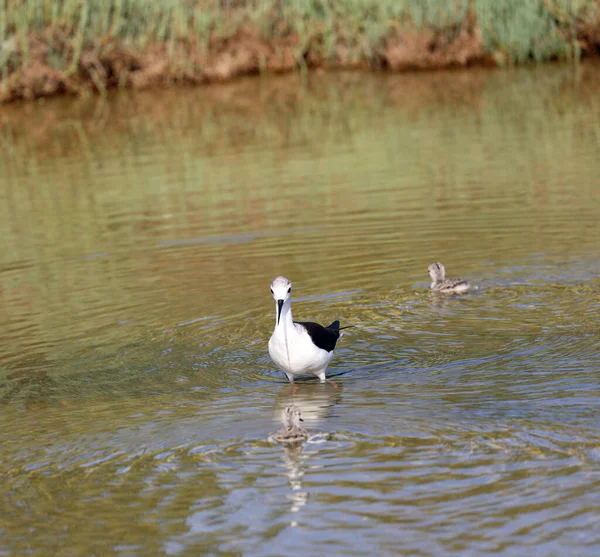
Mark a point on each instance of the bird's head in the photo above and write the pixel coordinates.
(281, 288)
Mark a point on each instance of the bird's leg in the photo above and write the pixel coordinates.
(333, 383)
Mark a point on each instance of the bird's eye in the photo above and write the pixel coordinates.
(289, 289)
(272, 291)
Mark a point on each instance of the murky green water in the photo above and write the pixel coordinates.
(139, 239)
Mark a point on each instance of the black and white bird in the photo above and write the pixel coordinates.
(443, 285)
(299, 347)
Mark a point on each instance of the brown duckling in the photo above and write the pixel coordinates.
(443, 285)
(292, 431)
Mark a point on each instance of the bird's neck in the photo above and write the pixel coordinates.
(285, 319)
(438, 279)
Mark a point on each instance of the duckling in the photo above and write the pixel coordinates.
(292, 431)
(442, 284)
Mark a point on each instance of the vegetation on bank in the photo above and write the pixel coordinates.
(55, 46)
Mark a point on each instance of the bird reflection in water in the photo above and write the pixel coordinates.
(293, 436)
(316, 401)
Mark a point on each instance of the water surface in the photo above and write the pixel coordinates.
(140, 235)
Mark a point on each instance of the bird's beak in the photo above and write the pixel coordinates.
(279, 308)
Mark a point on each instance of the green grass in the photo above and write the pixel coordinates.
(520, 26)
(512, 31)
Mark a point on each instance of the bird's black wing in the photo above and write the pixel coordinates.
(322, 337)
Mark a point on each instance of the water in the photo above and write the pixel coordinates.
(140, 235)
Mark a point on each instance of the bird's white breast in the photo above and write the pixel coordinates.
(297, 354)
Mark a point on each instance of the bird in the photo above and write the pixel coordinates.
(292, 431)
(442, 284)
(299, 346)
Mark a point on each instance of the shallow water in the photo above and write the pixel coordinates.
(140, 234)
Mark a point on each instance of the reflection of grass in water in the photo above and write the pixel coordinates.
(342, 121)
(81, 37)
(289, 118)
(289, 114)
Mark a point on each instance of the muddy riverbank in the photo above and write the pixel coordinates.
(93, 48)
